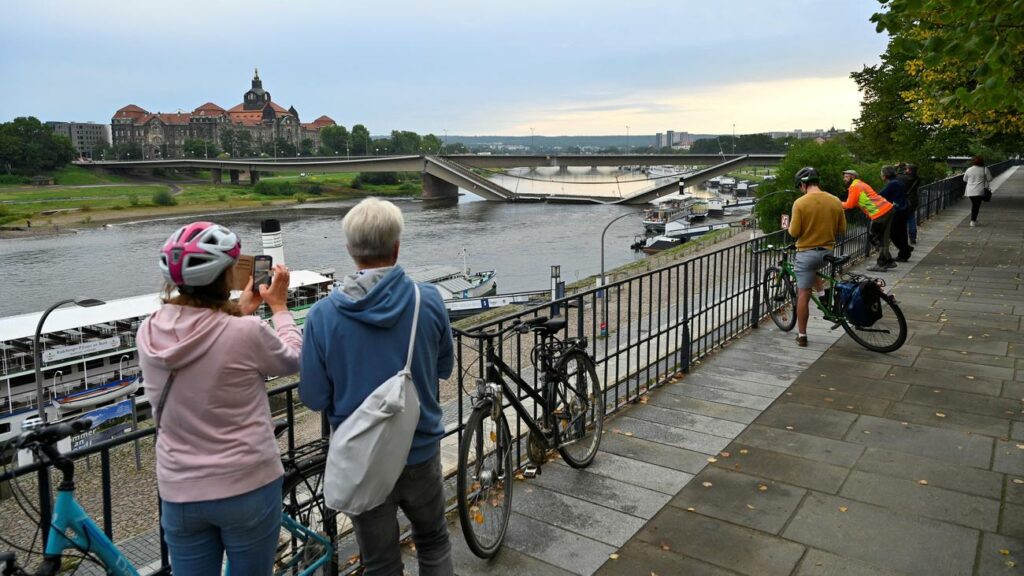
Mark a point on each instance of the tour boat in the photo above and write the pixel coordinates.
(98, 395)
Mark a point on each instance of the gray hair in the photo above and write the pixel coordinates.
(372, 229)
(888, 172)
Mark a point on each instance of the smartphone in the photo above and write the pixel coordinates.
(261, 264)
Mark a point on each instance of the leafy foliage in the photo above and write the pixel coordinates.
(777, 197)
(334, 140)
(199, 148)
(361, 140)
(744, 144)
(965, 57)
(27, 146)
(164, 198)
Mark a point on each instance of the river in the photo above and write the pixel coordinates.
(519, 241)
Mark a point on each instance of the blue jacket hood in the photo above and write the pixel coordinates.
(382, 306)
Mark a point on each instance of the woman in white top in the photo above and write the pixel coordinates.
(977, 178)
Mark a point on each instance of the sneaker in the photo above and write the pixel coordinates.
(891, 265)
(877, 268)
(913, 241)
(972, 223)
(801, 341)
(903, 258)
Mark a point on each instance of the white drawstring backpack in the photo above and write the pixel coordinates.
(369, 449)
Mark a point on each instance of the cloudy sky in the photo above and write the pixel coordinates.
(586, 67)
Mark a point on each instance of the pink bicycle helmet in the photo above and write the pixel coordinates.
(197, 253)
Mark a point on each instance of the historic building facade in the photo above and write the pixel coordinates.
(163, 135)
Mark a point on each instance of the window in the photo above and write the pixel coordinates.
(5, 427)
(93, 364)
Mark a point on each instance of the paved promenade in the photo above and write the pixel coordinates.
(827, 460)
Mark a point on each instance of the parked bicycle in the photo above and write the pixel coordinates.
(572, 409)
(885, 332)
(72, 533)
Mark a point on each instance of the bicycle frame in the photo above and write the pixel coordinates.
(786, 265)
(72, 528)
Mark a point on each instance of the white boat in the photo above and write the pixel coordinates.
(657, 244)
(715, 206)
(664, 171)
(99, 395)
(454, 283)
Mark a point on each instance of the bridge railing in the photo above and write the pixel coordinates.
(641, 330)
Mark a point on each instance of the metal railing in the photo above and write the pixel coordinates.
(642, 330)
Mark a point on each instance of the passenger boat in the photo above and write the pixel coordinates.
(98, 395)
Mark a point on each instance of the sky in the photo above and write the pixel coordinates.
(572, 67)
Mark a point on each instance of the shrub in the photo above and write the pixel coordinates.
(265, 203)
(315, 188)
(276, 188)
(222, 197)
(86, 208)
(409, 187)
(14, 179)
(300, 198)
(357, 183)
(379, 177)
(164, 198)
(117, 207)
(133, 199)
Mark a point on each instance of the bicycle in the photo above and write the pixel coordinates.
(886, 334)
(71, 529)
(571, 421)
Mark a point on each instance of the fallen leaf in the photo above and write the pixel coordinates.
(1011, 563)
(712, 459)
(751, 507)
(628, 434)
(940, 414)
(1018, 481)
(665, 547)
(829, 400)
(744, 451)
(867, 431)
(843, 508)
(724, 454)
(613, 556)
(706, 484)
(922, 482)
(905, 423)
(831, 389)
(1004, 551)
(762, 488)
(789, 427)
(969, 377)
(848, 407)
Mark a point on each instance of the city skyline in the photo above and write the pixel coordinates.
(572, 69)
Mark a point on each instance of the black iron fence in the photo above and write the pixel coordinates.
(642, 330)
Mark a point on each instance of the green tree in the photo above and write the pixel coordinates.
(198, 148)
(455, 148)
(430, 144)
(404, 142)
(306, 147)
(776, 198)
(334, 140)
(966, 56)
(28, 146)
(361, 143)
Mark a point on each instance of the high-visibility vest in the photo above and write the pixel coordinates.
(863, 196)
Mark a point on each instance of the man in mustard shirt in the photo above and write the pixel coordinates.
(818, 217)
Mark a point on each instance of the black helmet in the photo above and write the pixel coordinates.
(805, 175)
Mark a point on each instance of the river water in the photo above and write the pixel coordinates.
(519, 241)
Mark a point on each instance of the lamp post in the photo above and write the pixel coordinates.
(37, 355)
(120, 366)
(627, 138)
(532, 149)
(445, 138)
(601, 280)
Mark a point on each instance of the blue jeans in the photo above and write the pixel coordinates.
(420, 494)
(247, 526)
(912, 226)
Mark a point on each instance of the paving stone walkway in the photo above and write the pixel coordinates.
(827, 460)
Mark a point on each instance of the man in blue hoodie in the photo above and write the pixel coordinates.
(353, 341)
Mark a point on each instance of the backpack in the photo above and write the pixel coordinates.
(369, 449)
(861, 302)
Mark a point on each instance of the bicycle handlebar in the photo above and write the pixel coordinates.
(53, 433)
(521, 325)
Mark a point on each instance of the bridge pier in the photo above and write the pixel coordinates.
(234, 176)
(254, 177)
(435, 188)
(217, 175)
(563, 169)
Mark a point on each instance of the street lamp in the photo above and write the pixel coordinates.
(601, 280)
(627, 138)
(532, 149)
(37, 355)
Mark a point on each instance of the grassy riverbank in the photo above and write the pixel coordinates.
(81, 198)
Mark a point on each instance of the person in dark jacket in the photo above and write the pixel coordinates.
(912, 183)
(896, 193)
(357, 338)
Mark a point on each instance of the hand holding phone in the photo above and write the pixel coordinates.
(261, 271)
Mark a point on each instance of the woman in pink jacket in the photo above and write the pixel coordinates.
(204, 361)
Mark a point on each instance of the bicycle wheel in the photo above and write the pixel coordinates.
(484, 481)
(887, 334)
(578, 408)
(303, 491)
(778, 294)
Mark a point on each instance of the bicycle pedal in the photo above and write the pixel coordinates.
(531, 471)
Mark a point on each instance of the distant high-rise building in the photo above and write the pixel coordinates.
(659, 140)
(85, 136)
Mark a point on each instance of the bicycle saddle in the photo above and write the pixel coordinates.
(551, 326)
(836, 260)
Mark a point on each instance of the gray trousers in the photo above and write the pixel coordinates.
(880, 231)
(420, 494)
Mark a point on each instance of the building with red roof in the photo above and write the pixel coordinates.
(256, 124)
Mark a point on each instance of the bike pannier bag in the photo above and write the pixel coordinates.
(861, 302)
(369, 449)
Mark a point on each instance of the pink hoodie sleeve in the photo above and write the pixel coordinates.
(279, 351)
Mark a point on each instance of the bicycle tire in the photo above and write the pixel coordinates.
(887, 334)
(582, 380)
(302, 499)
(780, 297)
(483, 489)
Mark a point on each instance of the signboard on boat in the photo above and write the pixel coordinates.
(107, 422)
(91, 347)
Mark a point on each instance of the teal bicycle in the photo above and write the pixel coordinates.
(886, 333)
(302, 550)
